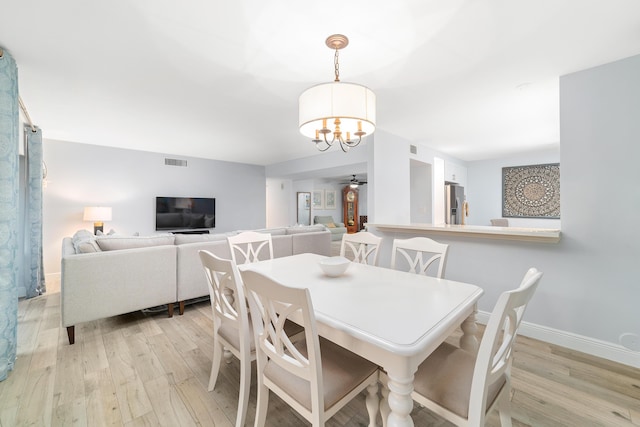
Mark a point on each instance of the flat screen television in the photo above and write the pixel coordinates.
(185, 213)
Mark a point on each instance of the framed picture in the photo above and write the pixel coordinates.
(531, 191)
(329, 199)
(318, 202)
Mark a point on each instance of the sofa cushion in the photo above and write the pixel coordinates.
(116, 242)
(182, 239)
(323, 219)
(305, 229)
(273, 231)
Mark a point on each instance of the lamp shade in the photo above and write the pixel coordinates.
(97, 213)
(350, 102)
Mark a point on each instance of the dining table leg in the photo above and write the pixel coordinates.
(400, 401)
(469, 340)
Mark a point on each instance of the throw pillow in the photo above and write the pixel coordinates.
(80, 237)
(113, 243)
(88, 246)
(331, 225)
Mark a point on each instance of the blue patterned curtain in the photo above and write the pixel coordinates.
(9, 178)
(34, 272)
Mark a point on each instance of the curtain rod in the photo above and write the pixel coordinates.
(26, 114)
(22, 106)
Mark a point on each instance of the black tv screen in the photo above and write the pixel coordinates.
(179, 213)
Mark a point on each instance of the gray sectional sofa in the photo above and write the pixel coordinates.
(104, 276)
(337, 229)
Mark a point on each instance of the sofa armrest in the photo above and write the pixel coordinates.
(103, 284)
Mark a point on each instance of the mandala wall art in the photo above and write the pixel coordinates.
(531, 191)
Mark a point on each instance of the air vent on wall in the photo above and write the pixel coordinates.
(175, 162)
(413, 149)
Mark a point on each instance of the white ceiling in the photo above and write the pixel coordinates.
(221, 79)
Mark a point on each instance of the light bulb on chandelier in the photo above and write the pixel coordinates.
(333, 112)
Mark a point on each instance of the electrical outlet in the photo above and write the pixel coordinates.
(630, 341)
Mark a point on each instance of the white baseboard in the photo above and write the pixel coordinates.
(592, 346)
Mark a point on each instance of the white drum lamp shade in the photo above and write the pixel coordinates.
(349, 102)
(97, 214)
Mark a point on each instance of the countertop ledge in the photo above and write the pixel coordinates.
(545, 235)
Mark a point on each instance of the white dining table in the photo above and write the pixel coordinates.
(392, 318)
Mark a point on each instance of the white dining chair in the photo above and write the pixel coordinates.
(462, 387)
(361, 247)
(419, 254)
(314, 376)
(250, 246)
(232, 330)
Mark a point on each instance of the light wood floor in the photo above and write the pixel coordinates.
(141, 369)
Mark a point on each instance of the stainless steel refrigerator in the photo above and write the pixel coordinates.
(454, 203)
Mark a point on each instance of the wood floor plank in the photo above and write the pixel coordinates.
(590, 383)
(173, 330)
(536, 411)
(146, 362)
(94, 355)
(46, 351)
(170, 357)
(130, 392)
(578, 401)
(143, 369)
(69, 388)
(170, 410)
(36, 403)
(147, 420)
(101, 401)
(200, 404)
(72, 413)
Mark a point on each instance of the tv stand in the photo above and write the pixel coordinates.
(191, 232)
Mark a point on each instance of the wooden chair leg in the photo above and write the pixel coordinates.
(71, 333)
(170, 309)
(372, 402)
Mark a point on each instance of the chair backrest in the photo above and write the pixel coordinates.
(276, 303)
(500, 222)
(420, 253)
(362, 245)
(250, 246)
(227, 296)
(493, 363)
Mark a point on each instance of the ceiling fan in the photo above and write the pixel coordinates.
(354, 182)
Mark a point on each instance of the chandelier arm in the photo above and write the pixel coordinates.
(332, 140)
(318, 141)
(354, 143)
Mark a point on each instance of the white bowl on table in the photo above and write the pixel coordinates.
(334, 266)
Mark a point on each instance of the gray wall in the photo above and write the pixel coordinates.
(589, 295)
(88, 175)
(600, 150)
(484, 188)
